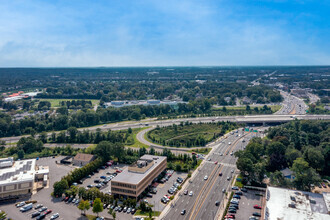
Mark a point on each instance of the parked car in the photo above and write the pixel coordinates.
(239, 193)
(42, 209)
(20, 204)
(217, 203)
(257, 207)
(234, 188)
(256, 214)
(236, 197)
(55, 216)
(38, 206)
(35, 214)
(42, 216)
(244, 190)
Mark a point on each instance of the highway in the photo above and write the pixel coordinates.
(154, 122)
(206, 192)
(292, 105)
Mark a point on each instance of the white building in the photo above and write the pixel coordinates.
(17, 177)
(289, 204)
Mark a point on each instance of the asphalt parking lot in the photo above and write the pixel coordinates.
(107, 187)
(246, 203)
(162, 190)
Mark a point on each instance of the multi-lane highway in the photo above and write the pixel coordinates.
(292, 105)
(154, 122)
(206, 192)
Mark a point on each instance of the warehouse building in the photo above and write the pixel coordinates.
(133, 180)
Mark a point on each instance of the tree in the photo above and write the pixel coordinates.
(3, 215)
(20, 154)
(97, 206)
(315, 158)
(114, 215)
(304, 175)
(60, 187)
(84, 205)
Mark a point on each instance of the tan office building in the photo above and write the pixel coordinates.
(137, 177)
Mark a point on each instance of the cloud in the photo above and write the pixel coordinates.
(160, 33)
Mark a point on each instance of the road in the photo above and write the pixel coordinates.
(155, 122)
(206, 192)
(292, 105)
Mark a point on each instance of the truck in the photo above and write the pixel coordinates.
(26, 207)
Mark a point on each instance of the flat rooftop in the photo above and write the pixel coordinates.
(21, 170)
(307, 205)
(130, 177)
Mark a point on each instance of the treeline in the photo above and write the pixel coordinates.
(77, 104)
(85, 118)
(73, 135)
(301, 146)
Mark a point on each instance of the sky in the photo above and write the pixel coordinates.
(80, 33)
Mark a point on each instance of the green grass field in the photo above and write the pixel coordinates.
(56, 102)
(192, 135)
(134, 141)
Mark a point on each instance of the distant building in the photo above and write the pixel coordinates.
(17, 177)
(82, 159)
(302, 93)
(246, 100)
(227, 99)
(133, 180)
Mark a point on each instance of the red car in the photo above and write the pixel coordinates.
(216, 162)
(257, 206)
(47, 212)
(231, 216)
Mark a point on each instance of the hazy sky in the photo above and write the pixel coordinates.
(165, 32)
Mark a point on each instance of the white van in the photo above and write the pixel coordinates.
(26, 207)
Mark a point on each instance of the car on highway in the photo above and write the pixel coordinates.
(220, 174)
(209, 159)
(228, 177)
(257, 207)
(216, 162)
(185, 192)
(223, 190)
(232, 171)
(183, 212)
(191, 193)
(229, 143)
(205, 177)
(256, 214)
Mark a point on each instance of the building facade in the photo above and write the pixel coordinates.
(137, 177)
